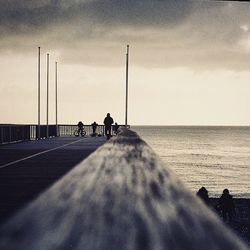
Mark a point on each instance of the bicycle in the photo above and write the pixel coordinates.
(80, 132)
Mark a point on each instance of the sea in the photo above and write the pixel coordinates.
(209, 156)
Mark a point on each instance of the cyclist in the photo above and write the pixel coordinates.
(80, 127)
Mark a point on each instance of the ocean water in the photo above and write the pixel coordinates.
(214, 157)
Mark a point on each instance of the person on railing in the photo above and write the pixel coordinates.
(108, 121)
(94, 126)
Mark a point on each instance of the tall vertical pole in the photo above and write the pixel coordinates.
(47, 120)
(126, 108)
(39, 95)
(56, 97)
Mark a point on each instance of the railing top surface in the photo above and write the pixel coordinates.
(121, 197)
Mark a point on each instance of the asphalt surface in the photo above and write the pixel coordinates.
(28, 168)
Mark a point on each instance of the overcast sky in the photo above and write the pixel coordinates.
(189, 60)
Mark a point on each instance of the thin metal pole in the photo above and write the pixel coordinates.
(47, 120)
(56, 97)
(126, 108)
(39, 93)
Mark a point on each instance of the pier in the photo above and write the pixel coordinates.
(120, 197)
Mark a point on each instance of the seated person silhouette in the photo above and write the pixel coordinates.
(203, 194)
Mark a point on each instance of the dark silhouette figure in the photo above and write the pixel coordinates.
(115, 128)
(80, 127)
(203, 194)
(108, 121)
(94, 126)
(227, 205)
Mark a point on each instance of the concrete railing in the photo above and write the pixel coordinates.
(121, 197)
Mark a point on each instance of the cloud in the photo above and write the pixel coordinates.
(198, 35)
(25, 16)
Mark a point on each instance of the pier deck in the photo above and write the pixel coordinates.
(28, 168)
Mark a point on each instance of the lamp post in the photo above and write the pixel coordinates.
(56, 98)
(39, 95)
(126, 106)
(47, 118)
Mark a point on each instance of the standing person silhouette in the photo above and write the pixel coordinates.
(227, 205)
(108, 121)
(115, 128)
(94, 126)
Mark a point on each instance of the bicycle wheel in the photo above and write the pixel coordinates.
(83, 133)
(76, 133)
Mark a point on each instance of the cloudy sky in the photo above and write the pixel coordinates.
(189, 60)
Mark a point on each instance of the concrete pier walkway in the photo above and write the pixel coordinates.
(28, 168)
